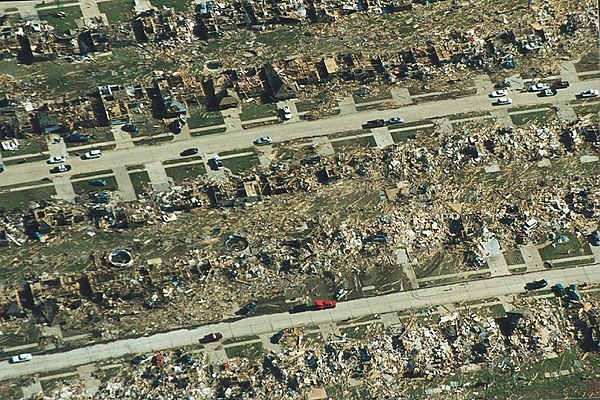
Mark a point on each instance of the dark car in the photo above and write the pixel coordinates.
(97, 182)
(595, 238)
(536, 285)
(299, 308)
(211, 337)
(375, 123)
(60, 168)
(276, 338)
(560, 84)
(130, 128)
(215, 163)
(247, 309)
(189, 152)
(502, 85)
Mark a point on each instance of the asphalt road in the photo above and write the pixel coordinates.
(34, 171)
(416, 299)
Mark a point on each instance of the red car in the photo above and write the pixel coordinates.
(158, 360)
(324, 304)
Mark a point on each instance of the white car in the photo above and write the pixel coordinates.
(538, 87)
(502, 101)
(263, 140)
(589, 93)
(92, 154)
(499, 93)
(287, 112)
(21, 358)
(57, 159)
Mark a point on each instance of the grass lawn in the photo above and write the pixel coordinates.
(240, 339)
(199, 118)
(92, 174)
(177, 5)
(305, 106)
(357, 332)
(28, 146)
(514, 257)
(404, 136)
(28, 333)
(185, 172)
(62, 24)
(81, 187)
(139, 180)
(250, 351)
(239, 164)
(209, 132)
(588, 62)
(116, 10)
(366, 141)
(538, 117)
(379, 96)
(255, 111)
(12, 200)
(588, 109)
(154, 141)
(572, 248)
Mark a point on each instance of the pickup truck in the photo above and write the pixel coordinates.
(375, 123)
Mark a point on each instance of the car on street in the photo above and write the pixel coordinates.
(536, 284)
(60, 168)
(503, 101)
(92, 154)
(375, 123)
(394, 121)
(538, 87)
(21, 358)
(299, 308)
(263, 140)
(560, 84)
(215, 163)
(130, 128)
(287, 113)
(502, 85)
(247, 309)
(211, 337)
(499, 93)
(325, 304)
(276, 338)
(547, 92)
(57, 159)
(589, 93)
(189, 152)
(595, 238)
(97, 182)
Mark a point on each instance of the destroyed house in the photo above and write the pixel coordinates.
(117, 101)
(94, 41)
(46, 122)
(274, 85)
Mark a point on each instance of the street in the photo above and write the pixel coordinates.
(421, 298)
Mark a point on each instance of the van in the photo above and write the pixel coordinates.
(92, 154)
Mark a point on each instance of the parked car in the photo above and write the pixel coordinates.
(276, 338)
(538, 87)
(502, 85)
(60, 168)
(92, 154)
(287, 113)
(547, 92)
(299, 308)
(1, 167)
(263, 140)
(376, 123)
(57, 159)
(158, 360)
(595, 238)
(176, 126)
(216, 163)
(97, 182)
(499, 93)
(589, 93)
(21, 358)
(139, 359)
(395, 120)
(130, 128)
(536, 285)
(325, 304)
(560, 84)
(502, 101)
(247, 309)
(189, 152)
(211, 337)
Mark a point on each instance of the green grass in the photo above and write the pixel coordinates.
(588, 62)
(116, 10)
(411, 134)
(154, 141)
(209, 132)
(255, 111)
(514, 257)
(588, 109)
(139, 180)
(306, 106)
(185, 172)
(181, 160)
(367, 141)
(251, 351)
(32, 158)
(28, 146)
(239, 164)
(379, 96)
(177, 5)
(26, 334)
(200, 118)
(62, 24)
(564, 250)
(14, 200)
(81, 187)
(538, 117)
(92, 174)
(240, 339)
